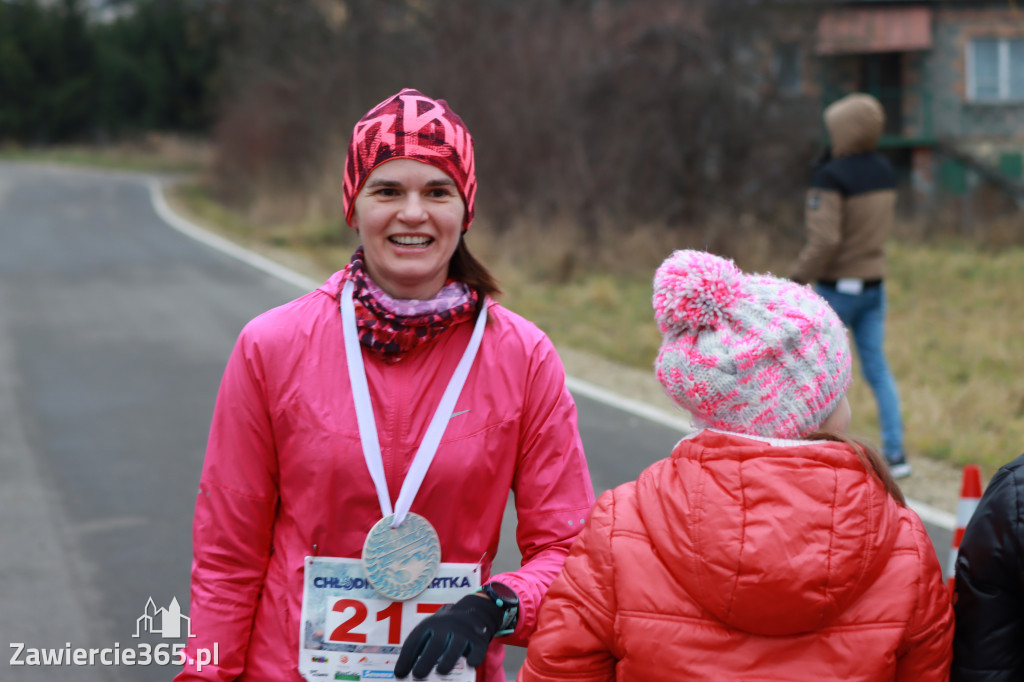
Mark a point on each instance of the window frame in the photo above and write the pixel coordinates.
(1004, 77)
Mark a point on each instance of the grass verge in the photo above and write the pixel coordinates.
(153, 152)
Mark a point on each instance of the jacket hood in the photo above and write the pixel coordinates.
(855, 123)
(770, 539)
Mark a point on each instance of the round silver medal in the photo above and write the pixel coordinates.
(401, 562)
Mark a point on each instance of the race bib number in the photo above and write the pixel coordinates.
(350, 632)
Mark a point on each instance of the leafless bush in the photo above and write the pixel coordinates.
(608, 115)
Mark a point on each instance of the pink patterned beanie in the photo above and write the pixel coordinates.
(746, 353)
(411, 125)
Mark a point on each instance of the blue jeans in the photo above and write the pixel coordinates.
(864, 315)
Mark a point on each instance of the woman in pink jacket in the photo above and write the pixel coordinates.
(768, 546)
(365, 440)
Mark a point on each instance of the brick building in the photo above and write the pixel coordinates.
(949, 74)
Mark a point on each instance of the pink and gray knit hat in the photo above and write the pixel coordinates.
(752, 354)
(411, 125)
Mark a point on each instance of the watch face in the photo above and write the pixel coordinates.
(509, 601)
(504, 592)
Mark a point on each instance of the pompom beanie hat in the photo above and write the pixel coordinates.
(411, 125)
(751, 354)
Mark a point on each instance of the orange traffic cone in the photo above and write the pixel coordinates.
(970, 495)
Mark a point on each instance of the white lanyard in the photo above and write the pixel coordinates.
(368, 426)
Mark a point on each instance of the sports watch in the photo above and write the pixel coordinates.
(504, 597)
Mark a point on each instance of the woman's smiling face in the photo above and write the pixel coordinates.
(409, 215)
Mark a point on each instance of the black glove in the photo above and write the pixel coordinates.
(464, 628)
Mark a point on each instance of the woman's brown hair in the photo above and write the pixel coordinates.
(465, 268)
(872, 461)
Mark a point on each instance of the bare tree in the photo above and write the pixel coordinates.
(605, 111)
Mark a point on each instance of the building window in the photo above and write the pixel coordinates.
(995, 70)
(787, 69)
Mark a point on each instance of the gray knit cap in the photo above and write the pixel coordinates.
(747, 353)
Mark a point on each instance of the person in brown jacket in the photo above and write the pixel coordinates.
(849, 215)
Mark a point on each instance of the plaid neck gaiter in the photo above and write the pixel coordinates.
(391, 327)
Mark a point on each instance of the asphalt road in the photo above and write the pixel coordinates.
(114, 331)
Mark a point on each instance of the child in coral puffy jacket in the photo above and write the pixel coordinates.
(768, 546)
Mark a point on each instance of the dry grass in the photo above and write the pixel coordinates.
(153, 152)
(956, 345)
